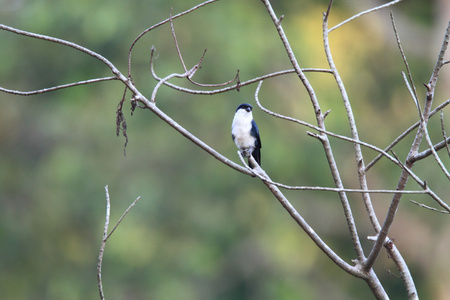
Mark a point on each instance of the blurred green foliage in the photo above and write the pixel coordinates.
(201, 230)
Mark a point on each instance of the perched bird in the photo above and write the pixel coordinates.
(245, 133)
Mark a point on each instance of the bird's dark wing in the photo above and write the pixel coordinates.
(255, 133)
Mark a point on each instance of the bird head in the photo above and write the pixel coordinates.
(245, 106)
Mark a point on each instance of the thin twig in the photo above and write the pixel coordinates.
(232, 87)
(123, 216)
(430, 208)
(432, 149)
(412, 91)
(444, 134)
(404, 134)
(102, 247)
(411, 85)
(329, 133)
(180, 56)
(409, 163)
(364, 13)
(106, 236)
(158, 25)
(51, 89)
(321, 188)
(431, 86)
(176, 42)
(439, 63)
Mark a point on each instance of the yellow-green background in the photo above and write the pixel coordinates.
(202, 230)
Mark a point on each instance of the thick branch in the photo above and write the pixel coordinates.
(301, 222)
(323, 137)
(353, 128)
(62, 42)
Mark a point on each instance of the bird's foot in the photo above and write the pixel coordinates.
(246, 152)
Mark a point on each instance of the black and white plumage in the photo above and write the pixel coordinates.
(245, 133)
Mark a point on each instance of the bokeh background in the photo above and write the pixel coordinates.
(202, 230)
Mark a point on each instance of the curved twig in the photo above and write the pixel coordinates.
(63, 86)
(232, 87)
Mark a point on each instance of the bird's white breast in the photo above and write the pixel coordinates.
(240, 129)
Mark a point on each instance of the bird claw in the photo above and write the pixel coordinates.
(246, 152)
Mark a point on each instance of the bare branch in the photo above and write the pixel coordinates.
(320, 121)
(383, 230)
(123, 216)
(412, 91)
(365, 13)
(411, 85)
(294, 62)
(444, 134)
(363, 267)
(152, 107)
(65, 43)
(41, 91)
(176, 41)
(326, 145)
(428, 152)
(106, 237)
(430, 208)
(102, 247)
(439, 63)
(434, 153)
(409, 163)
(303, 224)
(232, 87)
(189, 77)
(353, 128)
(321, 188)
(329, 133)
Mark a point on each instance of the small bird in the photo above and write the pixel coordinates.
(245, 133)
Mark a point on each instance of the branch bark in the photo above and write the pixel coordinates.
(362, 266)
